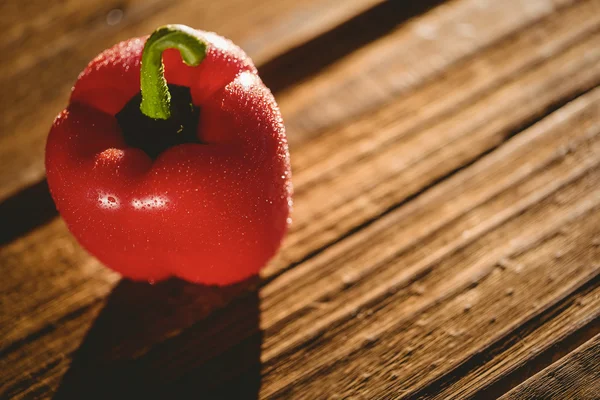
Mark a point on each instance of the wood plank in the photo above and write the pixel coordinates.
(544, 40)
(574, 377)
(394, 339)
(405, 59)
(135, 310)
(53, 246)
(49, 95)
(23, 20)
(80, 259)
(32, 36)
(523, 353)
(519, 166)
(465, 80)
(536, 158)
(355, 193)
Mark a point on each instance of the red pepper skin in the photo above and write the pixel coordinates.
(211, 213)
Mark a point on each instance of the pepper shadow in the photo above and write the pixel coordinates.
(170, 340)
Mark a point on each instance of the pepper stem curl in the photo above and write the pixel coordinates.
(156, 99)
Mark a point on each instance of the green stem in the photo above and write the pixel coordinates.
(156, 99)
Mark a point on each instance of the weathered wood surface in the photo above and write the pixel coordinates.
(574, 377)
(446, 236)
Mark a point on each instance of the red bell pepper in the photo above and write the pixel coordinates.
(196, 186)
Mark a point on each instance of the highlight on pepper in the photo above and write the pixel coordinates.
(171, 159)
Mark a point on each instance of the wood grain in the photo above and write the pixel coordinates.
(354, 194)
(446, 229)
(508, 56)
(428, 339)
(430, 290)
(574, 377)
(533, 346)
(440, 96)
(334, 273)
(54, 246)
(548, 140)
(409, 56)
(32, 36)
(284, 24)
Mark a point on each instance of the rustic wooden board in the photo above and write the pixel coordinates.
(534, 249)
(507, 362)
(61, 251)
(446, 241)
(410, 55)
(409, 225)
(417, 296)
(574, 377)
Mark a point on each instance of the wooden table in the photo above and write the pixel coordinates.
(446, 235)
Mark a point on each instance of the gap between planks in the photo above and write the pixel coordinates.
(574, 377)
(492, 371)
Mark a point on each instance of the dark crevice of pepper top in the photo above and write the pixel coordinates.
(154, 136)
(161, 115)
